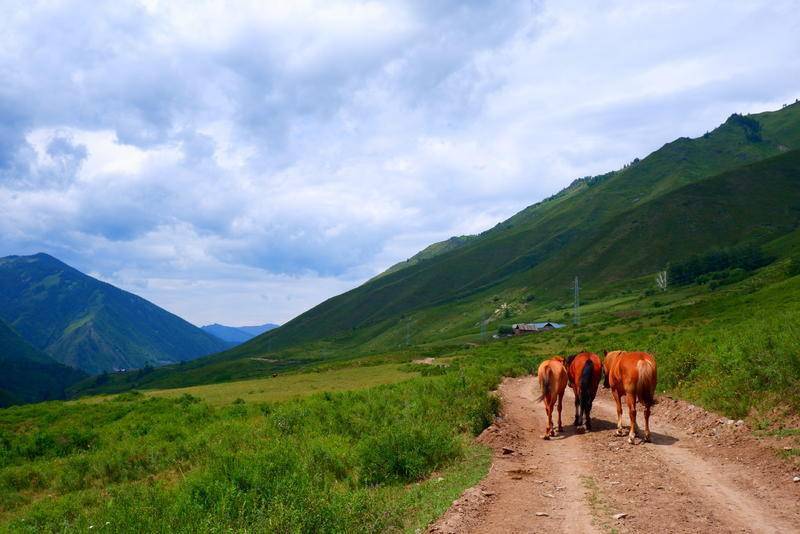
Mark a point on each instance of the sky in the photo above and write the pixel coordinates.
(240, 162)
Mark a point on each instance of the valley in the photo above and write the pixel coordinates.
(370, 411)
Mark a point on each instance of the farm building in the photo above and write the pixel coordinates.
(530, 328)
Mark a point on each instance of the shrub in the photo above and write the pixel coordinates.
(505, 329)
(406, 454)
(793, 267)
(746, 257)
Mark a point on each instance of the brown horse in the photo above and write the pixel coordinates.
(552, 381)
(584, 370)
(608, 361)
(633, 375)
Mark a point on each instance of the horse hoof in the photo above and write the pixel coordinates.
(552, 433)
(546, 436)
(580, 430)
(620, 432)
(647, 438)
(631, 440)
(560, 428)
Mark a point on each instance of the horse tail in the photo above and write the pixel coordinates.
(544, 382)
(646, 386)
(586, 383)
(604, 375)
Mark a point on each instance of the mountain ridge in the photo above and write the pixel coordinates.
(89, 324)
(706, 191)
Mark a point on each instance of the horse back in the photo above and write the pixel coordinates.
(552, 378)
(582, 376)
(626, 370)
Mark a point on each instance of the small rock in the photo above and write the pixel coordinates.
(508, 450)
(542, 514)
(787, 448)
(516, 477)
(796, 479)
(489, 493)
(439, 479)
(739, 422)
(548, 495)
(620, 516)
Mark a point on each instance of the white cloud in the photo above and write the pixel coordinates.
(239, 162)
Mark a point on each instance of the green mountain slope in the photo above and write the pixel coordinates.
(738, 183)
(28, 375)
(541, 245)
(431, 251)
(88, 324)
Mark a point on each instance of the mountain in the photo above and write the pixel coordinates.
(91, 325)
(29, 375)
(739, 183)
(429, 252)
(735, 183)
(237, 334)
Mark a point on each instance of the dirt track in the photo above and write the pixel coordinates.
(700, 473)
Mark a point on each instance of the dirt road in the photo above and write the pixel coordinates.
(700, 474)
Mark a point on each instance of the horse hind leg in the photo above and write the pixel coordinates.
(631, 398)
(577, 421)
(647, 423)
(587, 413)
(618, 401)
(548, 407)
(560, 404)
(580, 417)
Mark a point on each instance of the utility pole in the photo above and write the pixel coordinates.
(576, 318)
(661, 280)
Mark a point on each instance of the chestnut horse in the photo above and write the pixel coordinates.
(633, 374)
(552, 381)
(608, 361)
(583, 371)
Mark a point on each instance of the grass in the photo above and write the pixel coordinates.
(333, 461)
(199, 459)
(284, 387)
(598, 506)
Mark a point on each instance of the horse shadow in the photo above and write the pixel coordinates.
(603, 425)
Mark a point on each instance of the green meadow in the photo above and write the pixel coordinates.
(371, 444)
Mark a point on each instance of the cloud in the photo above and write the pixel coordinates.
(239, 162)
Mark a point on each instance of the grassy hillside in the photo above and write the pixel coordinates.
(390, 457)
(90, 325)
(431, 251)
(533, 247)
(28, 375)
(738, 183)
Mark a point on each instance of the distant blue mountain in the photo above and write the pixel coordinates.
(237, 334)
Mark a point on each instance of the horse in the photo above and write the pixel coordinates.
(608, 361)
(583, 371)
(634, 375)
(552, 381)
